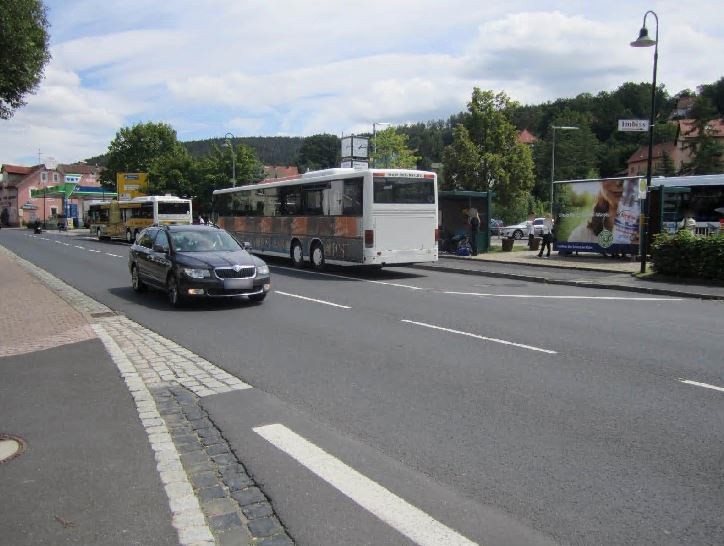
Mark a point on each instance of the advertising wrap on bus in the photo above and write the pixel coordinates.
(597, 215)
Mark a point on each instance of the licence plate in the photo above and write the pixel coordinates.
(235, 284)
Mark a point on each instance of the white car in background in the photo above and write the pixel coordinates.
(517, 231)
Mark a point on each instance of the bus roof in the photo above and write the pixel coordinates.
(325, 175)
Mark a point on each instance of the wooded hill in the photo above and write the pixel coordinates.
(601, 149)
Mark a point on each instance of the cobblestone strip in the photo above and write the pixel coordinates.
(187, 517)
(160, 360)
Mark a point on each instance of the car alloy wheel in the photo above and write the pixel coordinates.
(136, 281)
(174, 297)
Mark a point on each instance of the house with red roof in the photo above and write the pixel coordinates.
(18, 208)
(680, 151)
(526, 137)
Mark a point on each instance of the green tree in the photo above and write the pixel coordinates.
(318, 152)
(138, 148)
(213, 172)
(707, 152)
(495, 159)
(23, 51)
(391, 150)
(715, 93)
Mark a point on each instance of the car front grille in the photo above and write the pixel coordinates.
(244, 272)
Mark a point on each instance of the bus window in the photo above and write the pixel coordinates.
(352, 199)
(404, 190)
(288, 203)
(313, 200)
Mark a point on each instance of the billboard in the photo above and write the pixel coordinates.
(130, 185)
(598, 215)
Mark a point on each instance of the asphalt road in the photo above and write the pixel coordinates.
(501, 411)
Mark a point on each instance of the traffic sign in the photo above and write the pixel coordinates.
(641, 125)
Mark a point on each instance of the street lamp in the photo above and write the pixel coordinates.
(645, 41)
(229, 144)
(374, 139)
(553, 154)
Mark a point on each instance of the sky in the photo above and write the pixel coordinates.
(298, 68)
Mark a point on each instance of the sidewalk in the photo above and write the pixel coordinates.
(116, 448)
(585, 270)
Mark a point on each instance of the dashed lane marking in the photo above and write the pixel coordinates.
(407, 519)
(704, 385)
(483, 338)
(312, 299)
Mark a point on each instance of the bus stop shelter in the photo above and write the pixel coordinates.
(453, 206)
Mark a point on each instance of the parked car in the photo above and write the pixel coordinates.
(193, 261)
(496, 226)
(517, 231)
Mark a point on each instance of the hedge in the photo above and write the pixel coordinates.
(687, 255)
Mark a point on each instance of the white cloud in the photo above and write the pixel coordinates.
(288, 67)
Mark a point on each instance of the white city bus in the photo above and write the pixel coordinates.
(125, 219)
(371, 217)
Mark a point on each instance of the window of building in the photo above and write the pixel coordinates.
(44, 176)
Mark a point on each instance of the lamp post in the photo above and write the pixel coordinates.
(374, 139)
(645, 41)
(553, 154)
(233, 157)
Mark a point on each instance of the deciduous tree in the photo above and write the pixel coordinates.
(23, 51)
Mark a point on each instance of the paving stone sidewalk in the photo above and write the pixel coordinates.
(212, 498)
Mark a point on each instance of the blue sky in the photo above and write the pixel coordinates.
(282, 67)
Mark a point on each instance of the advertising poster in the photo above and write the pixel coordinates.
(130, 185)
(598, 216)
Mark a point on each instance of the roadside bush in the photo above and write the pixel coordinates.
(688, 255)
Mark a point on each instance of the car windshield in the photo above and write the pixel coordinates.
(203, 241)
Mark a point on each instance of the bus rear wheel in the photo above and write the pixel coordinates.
(98, 234)
(317, 256)
(129, 237)
(297, 254)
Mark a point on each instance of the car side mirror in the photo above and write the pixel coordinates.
(247, 246)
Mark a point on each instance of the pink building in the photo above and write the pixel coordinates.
(16, 182)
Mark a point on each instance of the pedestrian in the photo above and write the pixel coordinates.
(201, 220)
(547, 237)
(474, 221)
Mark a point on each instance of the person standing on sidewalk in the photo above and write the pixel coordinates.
(474, 221)
(547, 237)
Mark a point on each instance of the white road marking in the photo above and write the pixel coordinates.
(350, 278)
(312, 299)
(78, 246)
(705, 385)
(484, 338)
(114, 255)
(91, 250)
(412, 522)
(563, 297)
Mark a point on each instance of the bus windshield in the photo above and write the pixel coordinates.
(399, 190)
(165, 207)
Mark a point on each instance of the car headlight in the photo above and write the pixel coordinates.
(262, 269)
(197, 273)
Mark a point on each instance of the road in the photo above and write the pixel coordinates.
(450, 407)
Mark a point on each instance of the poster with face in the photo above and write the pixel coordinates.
(597, 215)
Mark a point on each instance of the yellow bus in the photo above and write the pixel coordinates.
(125, 219)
